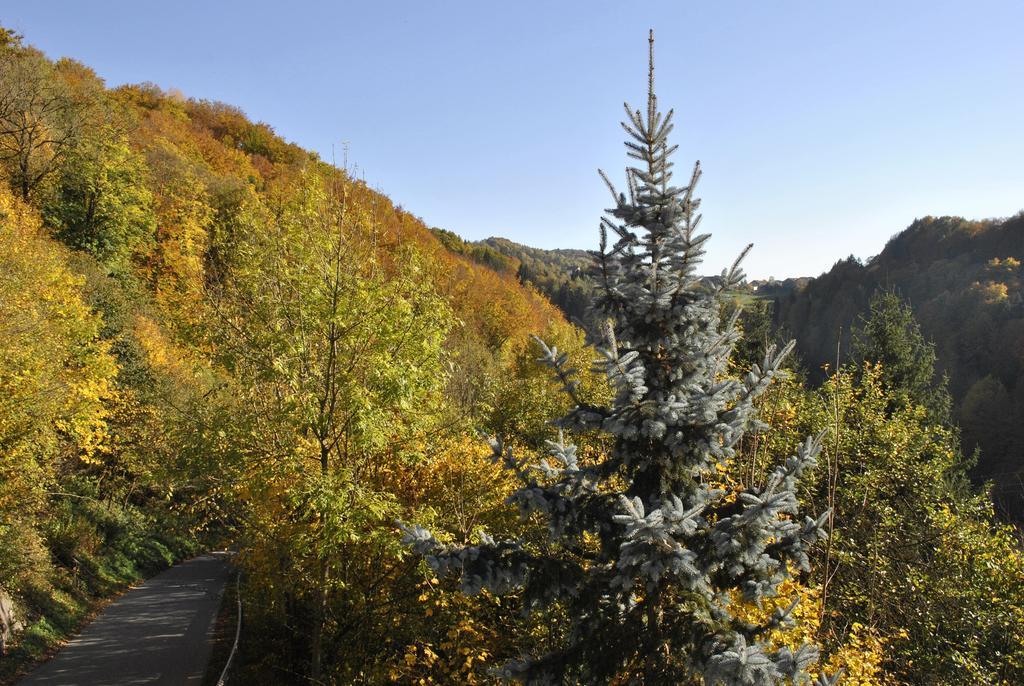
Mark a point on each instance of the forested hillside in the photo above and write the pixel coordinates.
(211, 337)
(561, 275)
(963, 280)
(191, 311)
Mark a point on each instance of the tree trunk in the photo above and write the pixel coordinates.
(316, 659)
(320, 610)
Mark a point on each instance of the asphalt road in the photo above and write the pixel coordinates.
(156, 633)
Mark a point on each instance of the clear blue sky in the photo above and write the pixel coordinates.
(823, 127)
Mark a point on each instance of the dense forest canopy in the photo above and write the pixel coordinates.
(963, 280)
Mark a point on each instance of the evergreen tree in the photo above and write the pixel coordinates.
(759, 332)
(889, 335)
(647, 554)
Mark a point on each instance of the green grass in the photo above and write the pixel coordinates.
(96, 553)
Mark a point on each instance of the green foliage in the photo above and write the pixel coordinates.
(233, 342)
(339, 359)
(914, 554)
(236, 340)
(478, 252)
(55, 375)
(889, 335)
(40, 117)
(759, 333)
(558, 274)
(101, 203)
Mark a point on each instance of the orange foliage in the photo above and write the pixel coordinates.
(215, 144)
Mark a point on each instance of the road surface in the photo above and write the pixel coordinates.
(156, 633)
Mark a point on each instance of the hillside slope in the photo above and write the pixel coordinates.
(963, 280)
(201, 324)
(561, 275)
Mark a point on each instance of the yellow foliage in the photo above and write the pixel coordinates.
(56, 377)
(55, 371)
(860, 657)
(860, 654)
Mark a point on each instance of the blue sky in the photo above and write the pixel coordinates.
(823, 127)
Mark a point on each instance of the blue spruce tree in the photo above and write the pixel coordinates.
(646, 554)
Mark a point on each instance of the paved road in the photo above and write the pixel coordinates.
(156, 633)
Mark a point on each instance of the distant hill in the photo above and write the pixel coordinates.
(963, 280)
(559, 274)
(773, 288)
(567, 258)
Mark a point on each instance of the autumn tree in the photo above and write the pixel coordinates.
(40, 118)
(55, 375)
(101, 203)
(917, 554)
(339, 360)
